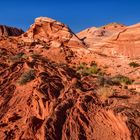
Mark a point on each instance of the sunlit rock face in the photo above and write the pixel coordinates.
(124, 40)
(57, 86)
(53, 32)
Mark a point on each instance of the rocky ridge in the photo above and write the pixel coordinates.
(10, 31)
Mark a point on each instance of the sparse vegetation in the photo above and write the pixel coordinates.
(18, 57)
(122, 80)
(85, 70)
(27, 77)
(134, 64)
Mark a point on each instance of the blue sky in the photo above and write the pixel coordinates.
(78, 14)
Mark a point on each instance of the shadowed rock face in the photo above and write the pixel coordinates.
(10, 31)
(42, 97)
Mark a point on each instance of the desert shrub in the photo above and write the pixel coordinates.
(134, 64)
(82, 66)
(104, 92)
(18, 56)
(85, 70)
(122, 80)
(27, 77)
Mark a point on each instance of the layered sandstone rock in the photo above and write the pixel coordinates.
(61, 42)
(123, 40)
(40, 99)
(52, 32)
(10, 31)
(43, 97)
(114, 46)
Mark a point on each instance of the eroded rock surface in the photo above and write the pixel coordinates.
(114, 46)
(10, 31)
(54, 33)
(43, 97)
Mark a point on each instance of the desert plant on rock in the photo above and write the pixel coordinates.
(134, 64)
(122, 80)
(27, 77)
(86, 70)
(18, 57)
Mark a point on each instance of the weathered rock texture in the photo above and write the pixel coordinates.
(54, 33)
(114, 46)
(124, 40)
(42, 97)
(10, 31)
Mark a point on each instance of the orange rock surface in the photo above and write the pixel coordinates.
(114, 46)
(46, 94)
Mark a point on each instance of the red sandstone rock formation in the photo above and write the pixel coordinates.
(43, 97)
(54, 33)
(10, 31)
(114, 46)
(124, 40)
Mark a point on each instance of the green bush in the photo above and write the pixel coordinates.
(134, 64)
(27, 77)
(122, 80)
(81, 66)
(85, 70)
